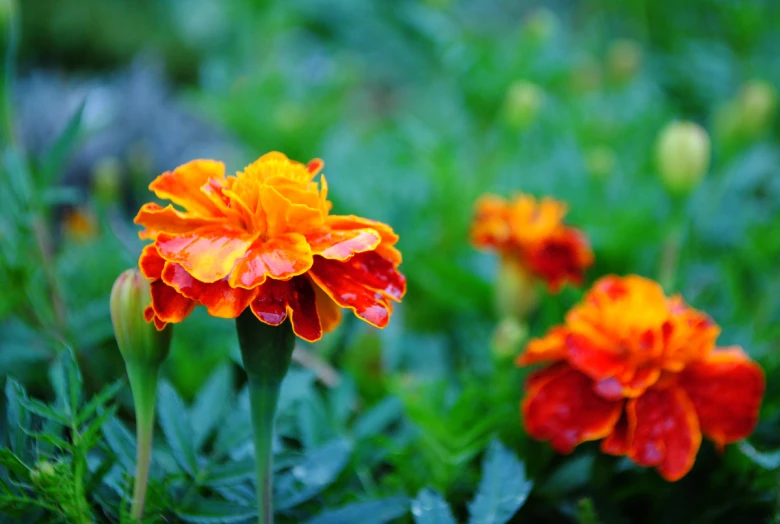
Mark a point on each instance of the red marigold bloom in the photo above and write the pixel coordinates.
(533, 233)
(641, 371)
(264, 239)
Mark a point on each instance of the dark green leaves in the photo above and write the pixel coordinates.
(503, 488)
(203, 511)
(176, 426)
(375, 511)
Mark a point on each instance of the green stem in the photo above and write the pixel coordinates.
(266, 352)
(143, 383)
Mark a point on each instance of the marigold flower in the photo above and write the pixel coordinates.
(532, 233)
(640, 371)
(264, 239)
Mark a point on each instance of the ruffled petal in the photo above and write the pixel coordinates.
(342, 244)
(616, 442)
(282, 215)
(278, 299)
(726, 391)
(208, 253)
(561, 257)
(218, 297)
(560, 406)
(549, 348)
(182, 186)
(151, 263)
(592, 358)
(328, 311)
(168, 304)
(665, 432)
(169, 220)
(363, 284)
(386, 247)
(281, 257)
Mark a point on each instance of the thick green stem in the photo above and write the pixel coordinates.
(143, 382)
(266, 352)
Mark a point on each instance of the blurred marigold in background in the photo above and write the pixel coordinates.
(531, 235)
(641, 371)
(264, 239)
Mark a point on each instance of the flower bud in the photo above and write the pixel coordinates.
(508, 338)
(683, 156)
(138, 340)
(624, 58)
(44, 474)
(523, 102)
(516, 290)
(757, 103)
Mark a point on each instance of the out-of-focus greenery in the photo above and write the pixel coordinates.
(417, 108)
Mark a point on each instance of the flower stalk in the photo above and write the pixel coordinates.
(143, 383)
(266, 352)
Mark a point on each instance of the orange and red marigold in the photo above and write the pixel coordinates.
(640, 371)
(264, 239)
(531, 234)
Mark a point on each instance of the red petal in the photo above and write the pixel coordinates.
(385, 249)
(616, 442)
(560, 406)
(592, 359)
(151, 263)
(726, 391)
(550, 348)
(315, 166)
(282, 258)
(665, 432)
(276, 299)
(182, 186)
(328, 311)
(169, 305)
(219, 298)
(270, 305)
(208, 253)
(342, 244)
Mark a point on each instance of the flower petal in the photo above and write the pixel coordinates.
(616, 442)
(592, 358)
(168, 304)
(385, 249)
(549, 348)
(328, 311)
(182, 186)
(560, 406)
(270, 305)
(151, 263)
(282, 215)
(278, 299)
(218, 297)
(281, 257)
(726, 391)
(208, 253)
(665, 432)
(342, 244)
(167, 219)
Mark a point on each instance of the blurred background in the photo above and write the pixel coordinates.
(417, 108)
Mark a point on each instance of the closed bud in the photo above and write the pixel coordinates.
(508, 338)
(683, 156)
(139, 341)
(757, 103)
(523, 102)
(516, 290)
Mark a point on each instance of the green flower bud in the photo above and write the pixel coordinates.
(138, 340)
(516, 290)
(600, 161)
(757, 103)
(508, 338)
(523, 102)
(43, 474)
(624, 58)
(683, 156)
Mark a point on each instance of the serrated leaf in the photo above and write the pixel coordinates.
(67, 382)
(92, 429)
(229, 473)
(39, 408)
(17, 416)
(202, 511)
(121, 442)
(51, 439)
(430, 508)
(503, 488)
(767, 460)
(55, 158)
(177, 429)
(375, 420)
(209, 406)
(380, 511)
(98, 401)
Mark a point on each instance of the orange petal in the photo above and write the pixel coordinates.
(278, 299)
(208, 254)
(328, 311)
(389, 238)
(281, 257)
(549, 348)
(363, 284)
(182, 186)
(282, 215)
(151, 263)
(342, 244)
(592, 359)
(219, 298)
(560, 406)
(167, 219)
(169, 305)
(665, 432)
(726, 391)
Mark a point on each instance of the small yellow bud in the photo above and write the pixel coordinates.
(138, 340)
(757, 103)
(683, 156)
(516, 290)
(509, 337)
(624, 58)
(523, 102)
(43, 473)
(600, 161)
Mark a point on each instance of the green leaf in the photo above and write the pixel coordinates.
(209, 405)
(586, 512)
(92, 429)
(98, 401)
(66, 380)
(375, 420)
(503, 488)
(42, 410)
(177, 429)
(430, 508)
(767, 460)
(52, 440)
(14, 464)
(17, 416)
(229, 473)
(121, 442)
(55, 158)
(202, 511)
(385, 510)
(318, 470)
